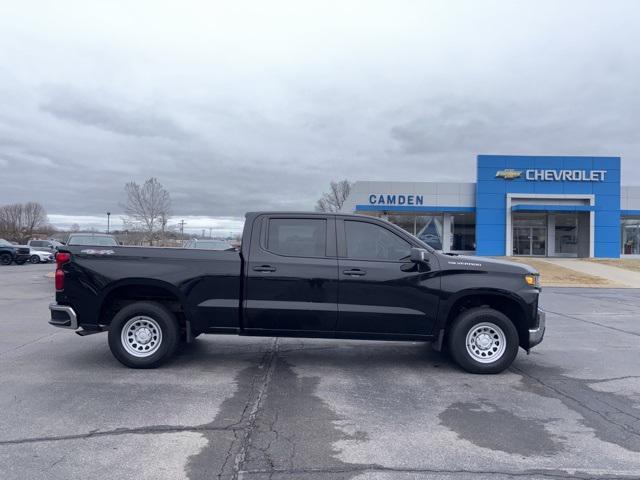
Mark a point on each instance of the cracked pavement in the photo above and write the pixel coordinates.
(260, 408)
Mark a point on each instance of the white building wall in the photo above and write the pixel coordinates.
(630, 197)
(435, 194)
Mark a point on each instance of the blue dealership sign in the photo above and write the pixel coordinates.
(500, 175)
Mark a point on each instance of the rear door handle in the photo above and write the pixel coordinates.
(355, 272)
(264, 268)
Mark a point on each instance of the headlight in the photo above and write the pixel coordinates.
(532, 280)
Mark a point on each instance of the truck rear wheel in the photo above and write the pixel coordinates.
(5, 259)
(143, 335)
(483, 340)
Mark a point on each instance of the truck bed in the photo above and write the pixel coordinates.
(205, 283)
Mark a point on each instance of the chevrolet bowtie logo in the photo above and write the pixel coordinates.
(508, 174)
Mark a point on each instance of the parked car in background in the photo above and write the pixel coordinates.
(93, 239)
(41, 256)
(45, 245)
(13, 253)
(208, 244)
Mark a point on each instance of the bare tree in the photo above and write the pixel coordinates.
(11, 221)
(333, 200)
(147, 207)
(75, 227)
(34, 218)
(20, 221)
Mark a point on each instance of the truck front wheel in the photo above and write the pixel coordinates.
(483, 340)
(143, 335)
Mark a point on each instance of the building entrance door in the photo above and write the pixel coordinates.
(530, 241)
(530, 235)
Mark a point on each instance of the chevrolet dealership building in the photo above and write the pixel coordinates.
(520, 205)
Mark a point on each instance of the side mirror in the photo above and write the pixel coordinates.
(419, 255)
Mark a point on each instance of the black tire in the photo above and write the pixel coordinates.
(22, 261)
(34, 259)
(479, 323)
(5, 259)
(158, 317)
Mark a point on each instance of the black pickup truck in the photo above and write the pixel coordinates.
(13, 253)
(301, 275)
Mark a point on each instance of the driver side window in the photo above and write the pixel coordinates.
(366, 241)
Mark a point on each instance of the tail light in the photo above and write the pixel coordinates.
(61, 259)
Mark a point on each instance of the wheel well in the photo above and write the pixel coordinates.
(127, 294)
(509, 307)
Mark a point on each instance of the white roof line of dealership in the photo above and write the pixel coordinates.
(450, 195)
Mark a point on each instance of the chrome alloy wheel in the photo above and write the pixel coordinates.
(486, 342)
(141, 336)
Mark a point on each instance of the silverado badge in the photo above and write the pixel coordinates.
(508, 173)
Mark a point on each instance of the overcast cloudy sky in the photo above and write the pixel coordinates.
(239, 106)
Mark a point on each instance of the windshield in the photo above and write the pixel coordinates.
(93, 240)
(4, 242)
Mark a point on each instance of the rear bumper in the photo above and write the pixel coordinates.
(537, 334)
(63, 316)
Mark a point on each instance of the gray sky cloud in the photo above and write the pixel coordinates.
(245, 106)
(90, 110)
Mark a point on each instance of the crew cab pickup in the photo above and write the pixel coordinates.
(301, 275)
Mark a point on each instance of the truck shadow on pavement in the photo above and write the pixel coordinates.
(322, 352)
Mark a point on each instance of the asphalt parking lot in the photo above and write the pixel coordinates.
(258, 408)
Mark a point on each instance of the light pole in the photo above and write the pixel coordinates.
(182, 223)
(108, 223)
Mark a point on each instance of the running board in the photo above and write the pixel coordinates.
(83, 333)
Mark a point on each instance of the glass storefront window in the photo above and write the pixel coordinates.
(566, 234)
(406, 222)
(429, 230)
(631, 236)
(530, 219)
(463, 231)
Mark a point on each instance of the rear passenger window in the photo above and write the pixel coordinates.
(298, 237)
(366, 241)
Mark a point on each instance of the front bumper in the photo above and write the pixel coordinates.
(63, 316)
(537, 334)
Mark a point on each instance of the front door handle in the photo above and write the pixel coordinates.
(264, 268)
(355, 272)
